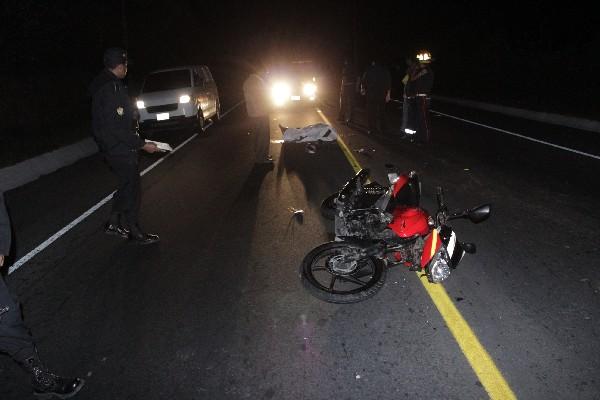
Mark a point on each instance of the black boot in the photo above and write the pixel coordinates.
(115, 227)
(116, 230)
(137, 236)
(47, 385)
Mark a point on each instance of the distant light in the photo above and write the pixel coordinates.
(184, 99)
(409, 131)
(140, 104)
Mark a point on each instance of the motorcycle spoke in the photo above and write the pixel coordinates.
(333, 279)
(361, 273)
(352, 279)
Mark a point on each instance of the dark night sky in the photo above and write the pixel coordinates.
(509, 49)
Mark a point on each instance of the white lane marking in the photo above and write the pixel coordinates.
(19, 263)
(520, 136)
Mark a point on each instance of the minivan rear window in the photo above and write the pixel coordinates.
(167, 80)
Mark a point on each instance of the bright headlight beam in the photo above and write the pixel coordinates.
(184, 99)
(280, 92)
(309, 89)
(140, 104)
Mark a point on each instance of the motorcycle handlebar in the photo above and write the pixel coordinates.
(354, 183)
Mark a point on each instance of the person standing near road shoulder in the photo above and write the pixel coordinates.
(15, 339)
(421, 84)
(112, 121)
(376, 86)
(347, 92)
(408, 96)
(256, 96)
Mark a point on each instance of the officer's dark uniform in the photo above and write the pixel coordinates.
(15, 339)
(421, 90)
(347, 93)
(112, 119)
(377, 82)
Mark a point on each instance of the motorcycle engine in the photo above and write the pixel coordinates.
(365, 223)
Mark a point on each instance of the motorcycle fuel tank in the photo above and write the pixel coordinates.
(409, 221)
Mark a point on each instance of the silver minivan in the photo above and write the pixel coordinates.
(178, 96)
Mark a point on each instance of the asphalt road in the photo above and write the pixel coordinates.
(217, 311)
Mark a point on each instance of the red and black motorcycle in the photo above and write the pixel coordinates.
(377, 227)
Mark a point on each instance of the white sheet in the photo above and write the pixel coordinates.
(310, 133)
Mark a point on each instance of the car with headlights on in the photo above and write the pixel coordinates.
(176, 97)
(293, 82)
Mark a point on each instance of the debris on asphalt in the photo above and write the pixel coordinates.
(295, 211)
(297, 214)
(364, 151)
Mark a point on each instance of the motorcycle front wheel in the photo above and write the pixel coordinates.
(328, 206)
(323, 279)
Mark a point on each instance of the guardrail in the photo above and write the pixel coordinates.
(549, 118)
(31, 169)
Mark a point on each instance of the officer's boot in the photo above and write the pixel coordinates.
(114, 226)
(47, 385)
(138, 236)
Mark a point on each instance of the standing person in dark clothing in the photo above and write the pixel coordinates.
(347, 92)
(112, 120)
(256, 97)
(408, 95)
(421, 84)
(15, 339)
(376, 83)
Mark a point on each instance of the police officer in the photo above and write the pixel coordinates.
(112, 121)
(15, 339)
(411, 66)
(420, 84)
(347, 92)
(376, 83)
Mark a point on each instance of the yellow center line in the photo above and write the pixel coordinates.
(353, 162)
(484, 367)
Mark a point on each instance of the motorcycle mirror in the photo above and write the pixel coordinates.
(479, 214)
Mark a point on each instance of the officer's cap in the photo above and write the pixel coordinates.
(114, 56)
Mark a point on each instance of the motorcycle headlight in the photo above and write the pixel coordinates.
(438, 269)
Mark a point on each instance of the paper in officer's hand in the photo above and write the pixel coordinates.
(161, 145)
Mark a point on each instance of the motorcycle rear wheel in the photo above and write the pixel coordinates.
(328, 206)
(322, 282)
